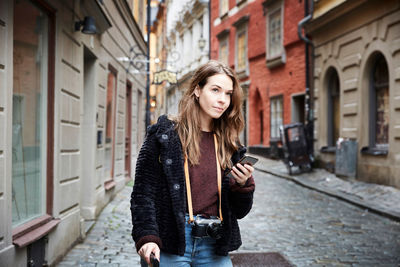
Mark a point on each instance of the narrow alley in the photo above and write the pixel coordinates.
(306, 227)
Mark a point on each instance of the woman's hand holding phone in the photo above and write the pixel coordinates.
(243, 170)
(241, 173)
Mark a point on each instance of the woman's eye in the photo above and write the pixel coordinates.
(215, 89)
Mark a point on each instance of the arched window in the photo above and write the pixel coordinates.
(333, 94)
(379, 104)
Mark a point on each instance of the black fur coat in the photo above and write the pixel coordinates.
(158, 200)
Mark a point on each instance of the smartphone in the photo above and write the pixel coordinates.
(154, 261)
(245, 160)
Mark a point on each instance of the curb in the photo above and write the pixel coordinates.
(370, 207)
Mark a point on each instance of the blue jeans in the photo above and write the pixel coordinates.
(198, 252)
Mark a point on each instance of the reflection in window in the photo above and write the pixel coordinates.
(29, 114)
(380, 99)
(110, 117)
(276, 116)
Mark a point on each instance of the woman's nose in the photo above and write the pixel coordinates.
(222, 99)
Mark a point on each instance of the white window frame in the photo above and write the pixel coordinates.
(244, 71)
(275, 99)
(280, 58)
(222, 13)
(224, 40)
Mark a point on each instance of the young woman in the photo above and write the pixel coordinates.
(184, 207)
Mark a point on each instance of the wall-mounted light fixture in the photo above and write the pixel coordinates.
(89, 26)
(202, 43)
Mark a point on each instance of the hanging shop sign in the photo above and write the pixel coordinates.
(165, 75)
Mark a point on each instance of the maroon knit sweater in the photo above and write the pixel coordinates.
(203, 179)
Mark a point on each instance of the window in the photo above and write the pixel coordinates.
(241, 65)
(30, 112)
(110, 126)
(379, 104)
(223, 7)
(223, 39)
(241, 50)
(274, 34)
(276, 116)
(224, 50)
(333, 107)
(275, 51)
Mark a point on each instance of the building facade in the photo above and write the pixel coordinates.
(71, 120)
(187, 33)
(357, 84)
(158, 63)
(259, 40)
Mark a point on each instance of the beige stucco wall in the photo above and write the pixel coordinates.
(347, 43)
(79, 191)
(7, 252)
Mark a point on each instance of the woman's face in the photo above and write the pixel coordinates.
(215, 96)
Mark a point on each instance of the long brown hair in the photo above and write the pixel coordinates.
(226, 128)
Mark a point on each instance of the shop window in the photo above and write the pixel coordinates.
(30, 112)
(379, 104)
(276, 119)
(110, 126)
(379, 110)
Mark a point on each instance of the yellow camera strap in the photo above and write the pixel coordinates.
(219, 182)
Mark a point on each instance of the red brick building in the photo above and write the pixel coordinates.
(259, 40)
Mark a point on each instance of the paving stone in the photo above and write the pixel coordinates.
(306, 227)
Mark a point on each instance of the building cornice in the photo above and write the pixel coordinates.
(333, 14)
(222, 34)
(126, 15)
(241, 21)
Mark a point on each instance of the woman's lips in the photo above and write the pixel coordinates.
(219, 109)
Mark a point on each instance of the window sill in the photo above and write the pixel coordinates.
(239, 2)
(34, 230)
(277, 61)
(108, 185)
(275, 140)
(373, 151)
(223, 16)
(328, 149)
(241, 74)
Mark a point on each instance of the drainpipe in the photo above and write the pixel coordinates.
(209, 29)
(309, 49)
(148, 66)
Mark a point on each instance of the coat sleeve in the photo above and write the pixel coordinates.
(241, 199)
(143, 198)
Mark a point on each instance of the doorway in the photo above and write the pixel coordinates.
(128, 130)
(298, 114)
(88, 137)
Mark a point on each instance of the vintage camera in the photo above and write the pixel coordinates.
(203, 227)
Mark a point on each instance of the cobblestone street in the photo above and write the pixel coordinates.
(313, 229)
(307, 227)
(109, 242)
